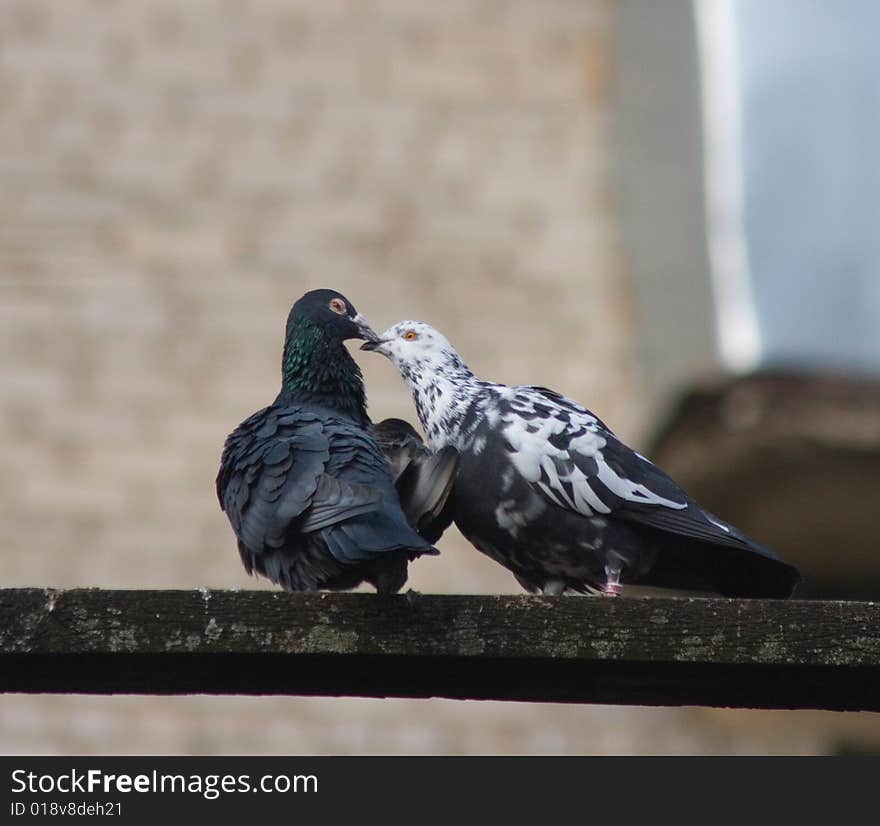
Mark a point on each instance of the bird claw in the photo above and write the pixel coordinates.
(612, 586)
(612, 589)
(413, 598)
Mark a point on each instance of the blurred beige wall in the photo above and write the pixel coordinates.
(175, 175)
(172, 176)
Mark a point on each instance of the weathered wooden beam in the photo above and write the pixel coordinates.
(646, 651)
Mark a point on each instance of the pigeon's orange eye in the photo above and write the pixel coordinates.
(338, 306)
(410, 335)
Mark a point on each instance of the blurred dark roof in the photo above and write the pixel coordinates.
(792, 459)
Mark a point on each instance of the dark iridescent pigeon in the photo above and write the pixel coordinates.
(306, 489)
(548, 491)
(423, 479)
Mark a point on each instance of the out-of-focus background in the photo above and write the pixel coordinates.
(668, 211)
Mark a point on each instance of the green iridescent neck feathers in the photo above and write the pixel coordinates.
(316, 368)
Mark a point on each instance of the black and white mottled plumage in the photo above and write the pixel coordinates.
(423, 478)
(547, 490)
(306, 488)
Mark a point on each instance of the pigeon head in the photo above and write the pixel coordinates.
(330, 312)
(316, 368)
(415, 345)
(394, 433)
(439, 380)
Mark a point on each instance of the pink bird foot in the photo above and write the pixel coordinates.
(612, 587)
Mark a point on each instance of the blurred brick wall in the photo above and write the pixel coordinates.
(175, 175)
(172, 176)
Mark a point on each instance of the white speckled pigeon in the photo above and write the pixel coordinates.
(307, 490)
(548, 491)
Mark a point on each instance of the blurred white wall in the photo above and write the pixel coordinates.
(810, 80)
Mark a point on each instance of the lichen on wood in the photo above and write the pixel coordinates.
(650, 651)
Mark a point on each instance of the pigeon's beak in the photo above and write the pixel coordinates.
(365, 331)
(373, 343)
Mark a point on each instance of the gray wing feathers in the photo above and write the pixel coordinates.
(426, 483)
(583, 467)
(335, 500)
(277, 485)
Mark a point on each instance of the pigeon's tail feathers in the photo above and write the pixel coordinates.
(372, 535)
(758, 578)
(424, 489)
(693, 522)
(708, 552)
(699, 566)
(343, 544)
(336, 500)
